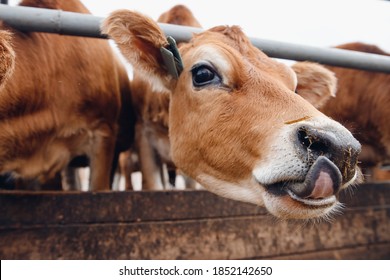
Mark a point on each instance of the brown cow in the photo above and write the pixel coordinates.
(235, 123)
(362, 104)
(151, 107)
(62, 101)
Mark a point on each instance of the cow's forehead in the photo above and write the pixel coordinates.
(237, 50)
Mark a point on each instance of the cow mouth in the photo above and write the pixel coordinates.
(316, 190)
(309, 202)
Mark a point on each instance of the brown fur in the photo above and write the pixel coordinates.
(62, 101)
(7, 57)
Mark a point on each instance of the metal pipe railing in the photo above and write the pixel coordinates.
(68, 23)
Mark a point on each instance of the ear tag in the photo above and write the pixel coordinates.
(172, 58)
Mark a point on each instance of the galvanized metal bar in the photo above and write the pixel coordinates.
(328, 56)
(51, 21)
(68, 23)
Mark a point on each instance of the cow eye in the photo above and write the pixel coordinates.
(203, 75)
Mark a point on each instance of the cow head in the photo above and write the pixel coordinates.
(236, 124)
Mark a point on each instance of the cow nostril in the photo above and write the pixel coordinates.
(342, 149)
(312, 141)
(303, 138)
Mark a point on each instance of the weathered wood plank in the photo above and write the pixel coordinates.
(184, 225)
(219, 238)
(31, 208)
(20, 209)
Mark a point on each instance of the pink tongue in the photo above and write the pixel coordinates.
(323, 186)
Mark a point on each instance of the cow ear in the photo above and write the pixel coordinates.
(140, 39)
(7, 56)
(316, 84)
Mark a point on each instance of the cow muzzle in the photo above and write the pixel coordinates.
(310, 170)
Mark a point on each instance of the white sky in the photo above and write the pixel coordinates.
(322, 23)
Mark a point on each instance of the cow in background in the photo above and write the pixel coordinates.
(362, 104)
(67, 99)
(152, 145)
